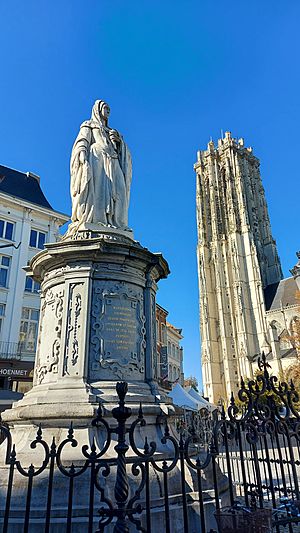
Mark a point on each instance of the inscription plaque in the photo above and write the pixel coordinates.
(120, 328)
(117, 333)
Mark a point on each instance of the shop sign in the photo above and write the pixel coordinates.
(16, 370)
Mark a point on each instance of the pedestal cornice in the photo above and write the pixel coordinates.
(68, 252)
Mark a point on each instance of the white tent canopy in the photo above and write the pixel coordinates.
(181, 398)
(204, 403)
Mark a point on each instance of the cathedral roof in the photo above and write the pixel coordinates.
(281, 294)
(289, 353)
(24, 186)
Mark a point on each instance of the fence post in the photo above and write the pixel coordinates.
(121, 413)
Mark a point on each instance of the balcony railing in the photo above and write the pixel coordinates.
(10, 350)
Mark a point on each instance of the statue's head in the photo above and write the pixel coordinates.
(100, 111)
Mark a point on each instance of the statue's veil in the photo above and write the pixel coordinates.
(96, 111)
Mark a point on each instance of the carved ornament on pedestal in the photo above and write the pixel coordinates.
(73, 326)
(49, 345)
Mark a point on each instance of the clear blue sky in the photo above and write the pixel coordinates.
(174, 73)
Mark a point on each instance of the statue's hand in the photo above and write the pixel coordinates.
(114, 137)
(82, 157)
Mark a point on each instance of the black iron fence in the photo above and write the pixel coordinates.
(241, 467)
(257, 446)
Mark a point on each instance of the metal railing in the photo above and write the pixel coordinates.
(250, 454)
(129, 497)
(15, 350)
(257, 446)
(10, 350)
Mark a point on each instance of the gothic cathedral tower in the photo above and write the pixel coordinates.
(237, 260)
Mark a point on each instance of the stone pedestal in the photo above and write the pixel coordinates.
(97, 327)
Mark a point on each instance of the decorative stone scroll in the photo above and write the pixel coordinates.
(49, 346)
(154, 343)
(117, 340)
(73, 328)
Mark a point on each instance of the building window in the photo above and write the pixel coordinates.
(37, 239)
(6, 230)
(32, 286)
(164, 334)
(2, 315)
(22, 386)
(4, 270)
(29, 329)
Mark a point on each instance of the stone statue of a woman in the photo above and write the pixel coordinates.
(100, 173)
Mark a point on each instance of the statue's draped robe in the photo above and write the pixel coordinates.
(100, 187)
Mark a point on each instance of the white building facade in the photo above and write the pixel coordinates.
(169, 350)
(27, 222)
(175, 354)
